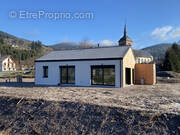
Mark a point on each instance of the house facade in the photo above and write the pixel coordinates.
(87, 67)
(7, 63)
(103, 66)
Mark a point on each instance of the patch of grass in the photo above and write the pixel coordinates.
(24, 74)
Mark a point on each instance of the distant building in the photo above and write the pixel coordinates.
(143, 57)
(125, 40)
(7, 63)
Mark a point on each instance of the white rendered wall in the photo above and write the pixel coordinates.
(82, 72)
(12, 65)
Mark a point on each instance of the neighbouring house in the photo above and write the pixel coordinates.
(7, 63)
(103, 66)
(143, 57)
(145, 69)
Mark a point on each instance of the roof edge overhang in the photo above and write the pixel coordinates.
(79, 59)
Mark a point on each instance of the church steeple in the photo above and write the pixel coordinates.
(125, 40)
(125, 31)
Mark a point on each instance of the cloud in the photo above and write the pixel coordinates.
(106, 43)
(165, 33)
(161, 33)
(175, 33)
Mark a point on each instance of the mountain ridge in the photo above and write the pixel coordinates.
(23, 51)
(157, 51)
(14, 41)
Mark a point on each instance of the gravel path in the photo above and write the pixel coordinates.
(159, 98)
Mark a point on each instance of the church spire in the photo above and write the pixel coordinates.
(125, 40)
(125, 31)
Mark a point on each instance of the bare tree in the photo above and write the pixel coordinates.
(86, 43)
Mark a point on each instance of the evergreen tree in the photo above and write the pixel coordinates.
(36, 50)
(1, 41)
(172, 59)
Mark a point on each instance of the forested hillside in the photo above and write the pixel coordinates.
(158, 51)
(23, 51)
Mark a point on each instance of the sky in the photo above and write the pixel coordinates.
(148, 22)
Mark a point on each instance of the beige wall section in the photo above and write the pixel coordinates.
(128, 62)
(146, 72)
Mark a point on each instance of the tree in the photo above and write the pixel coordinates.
(36, 46)
(176, 49)
(85, 43)
(172, 59)
(1, 41)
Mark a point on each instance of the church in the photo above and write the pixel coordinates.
(113, 66)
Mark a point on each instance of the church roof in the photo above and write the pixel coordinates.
(142, 53)
(124, 38)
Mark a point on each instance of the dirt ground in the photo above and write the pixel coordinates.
(162, 97)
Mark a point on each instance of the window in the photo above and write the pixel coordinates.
(97, 75)
(67, 74)
(103, 75)
(139, 60)
(45, 71)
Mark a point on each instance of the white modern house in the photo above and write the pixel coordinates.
(106, 66)
(103, 66)
(7, 63)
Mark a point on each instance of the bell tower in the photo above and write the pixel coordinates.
(125, 40)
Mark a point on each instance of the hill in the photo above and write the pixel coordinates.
(23, 51)
(158, 51)
(14, 41)
(65, 46)
(178, 42)
(72, 45)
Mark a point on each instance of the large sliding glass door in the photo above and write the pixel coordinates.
(67, 74)
(109, 76)
(96, 75)
(103, 75)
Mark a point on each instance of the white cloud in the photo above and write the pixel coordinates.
(175, 33)
(165, 33)
(106, 43)
(161, 33)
